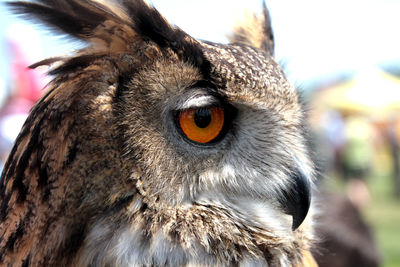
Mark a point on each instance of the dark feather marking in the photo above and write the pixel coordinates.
(148, 22)
(118, 104)
(4, 205)
(143, 208)
(43, 182)
(22, 164)
(76, 62)
(55, 118)
(27, 261)
(119, 205)
(71, 154)
(204, 84)
(19, 232)
(267, 254)
(74, 241)
(124, 80)
(46, 62)
(43, 176)
(123, 84)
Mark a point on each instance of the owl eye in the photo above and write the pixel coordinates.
(202, 125)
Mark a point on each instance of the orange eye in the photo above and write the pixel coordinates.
(202, 125)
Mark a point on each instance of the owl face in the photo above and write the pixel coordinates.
(234, 139)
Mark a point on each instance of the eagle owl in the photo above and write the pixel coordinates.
(152, 148)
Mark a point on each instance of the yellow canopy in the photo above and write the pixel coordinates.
(371, 92)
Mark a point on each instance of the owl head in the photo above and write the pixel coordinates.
(148, 129)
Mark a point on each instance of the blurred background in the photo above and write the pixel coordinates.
(343, 56)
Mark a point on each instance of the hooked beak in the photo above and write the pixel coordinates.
(296, 198)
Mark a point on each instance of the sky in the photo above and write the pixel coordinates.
(315, 39)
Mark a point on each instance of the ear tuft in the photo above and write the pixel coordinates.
(255, 31)
(73, 17)
(111, 27)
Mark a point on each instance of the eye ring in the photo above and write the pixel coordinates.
(202, 125)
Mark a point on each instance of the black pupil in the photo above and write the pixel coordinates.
(202, 117)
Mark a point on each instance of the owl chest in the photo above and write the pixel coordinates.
(134, 248)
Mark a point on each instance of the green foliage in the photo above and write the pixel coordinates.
(383, 211)
(383, 214)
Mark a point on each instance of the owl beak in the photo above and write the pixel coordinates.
(302, 200)
(296, 198)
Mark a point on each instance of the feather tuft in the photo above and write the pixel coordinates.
(255, 31)
(111, 27)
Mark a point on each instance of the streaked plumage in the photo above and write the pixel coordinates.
(102, 174)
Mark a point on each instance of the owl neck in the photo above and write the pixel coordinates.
(208, 233)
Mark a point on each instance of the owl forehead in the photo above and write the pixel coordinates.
(243, 74)
(247, 71)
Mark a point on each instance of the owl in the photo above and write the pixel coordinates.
(152, 148)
